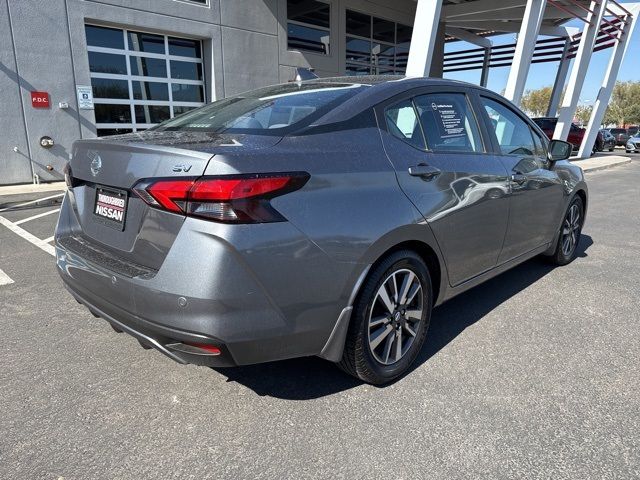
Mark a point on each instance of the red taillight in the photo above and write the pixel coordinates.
(171, 194)
(231, 199)
(220, 189)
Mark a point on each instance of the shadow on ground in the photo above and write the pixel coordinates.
(16, 205)
(308, 378)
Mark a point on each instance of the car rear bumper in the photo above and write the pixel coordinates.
(176, 344)
(275, 296)
(172, 324)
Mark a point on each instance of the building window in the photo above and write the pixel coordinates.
(308, 26)
(199, 2)
(376, 46)
(140, 79)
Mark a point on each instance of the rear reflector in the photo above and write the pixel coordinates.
(229, 199)
(209, 348)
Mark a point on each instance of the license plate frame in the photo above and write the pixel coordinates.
(111, 208)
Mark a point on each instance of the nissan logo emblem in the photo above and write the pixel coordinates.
(96, 164)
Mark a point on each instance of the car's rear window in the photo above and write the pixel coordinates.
(267, 111)
(617, 131)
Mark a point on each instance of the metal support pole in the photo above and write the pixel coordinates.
(437, 58)
(604, 95)
(579, 70)
(486, 62)
(469, 37)
(525, 47)
(423, 39)
(561, 80)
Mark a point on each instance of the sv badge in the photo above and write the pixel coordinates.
(181, 168)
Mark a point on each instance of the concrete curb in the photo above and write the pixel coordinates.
(601, 163)
(31, 188)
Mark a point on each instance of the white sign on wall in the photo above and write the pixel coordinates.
(85, 97)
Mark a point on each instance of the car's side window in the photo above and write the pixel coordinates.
(540, 150)
(448, 123)
(402, 122)
(513, 133)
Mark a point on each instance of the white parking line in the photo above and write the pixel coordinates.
(31, 202)
(4, 278)
(40, 215)
(49, 240)
(41, 244)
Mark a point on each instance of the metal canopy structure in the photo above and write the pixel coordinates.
(541, 37)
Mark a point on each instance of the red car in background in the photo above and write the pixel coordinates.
(576, 134)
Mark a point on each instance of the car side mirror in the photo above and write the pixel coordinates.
(559, 150)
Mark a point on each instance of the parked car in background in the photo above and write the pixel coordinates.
(576, 134)
(608, 140)
(633, 144)
(633, 130)
(322, 217)
(621, 135)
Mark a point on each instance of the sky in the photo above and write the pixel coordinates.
(543, 74)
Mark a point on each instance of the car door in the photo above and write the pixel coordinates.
(439, 151)
(536, 191)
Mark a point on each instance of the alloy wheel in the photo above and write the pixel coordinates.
(571, 230)
(395, 316)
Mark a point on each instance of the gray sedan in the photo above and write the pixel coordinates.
(324, 217)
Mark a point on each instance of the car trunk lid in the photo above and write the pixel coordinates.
(104, 172)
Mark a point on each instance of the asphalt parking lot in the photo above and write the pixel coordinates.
(534, 374)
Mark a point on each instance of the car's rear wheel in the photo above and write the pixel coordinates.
(570, 232)
(390, 319)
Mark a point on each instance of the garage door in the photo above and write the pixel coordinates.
(140, 79)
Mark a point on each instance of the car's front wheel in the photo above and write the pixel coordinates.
(570, 232)
(390, 319)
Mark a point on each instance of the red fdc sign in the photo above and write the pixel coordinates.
(40, 99)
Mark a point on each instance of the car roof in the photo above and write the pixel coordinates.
(378, 79)
(392, 81)
(382, 88)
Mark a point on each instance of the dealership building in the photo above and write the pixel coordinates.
(75, 69)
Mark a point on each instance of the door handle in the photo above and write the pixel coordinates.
(518, 178)
(424, 171)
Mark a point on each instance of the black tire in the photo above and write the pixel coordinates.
(560, 255)
(358, 358)
(611, 149)
(628, 151)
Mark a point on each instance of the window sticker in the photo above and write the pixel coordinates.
(451, 124)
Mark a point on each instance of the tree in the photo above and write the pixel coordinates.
(536, 102)
(624, 107)
(583, 113)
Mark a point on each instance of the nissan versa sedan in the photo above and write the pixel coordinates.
(315, 218)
